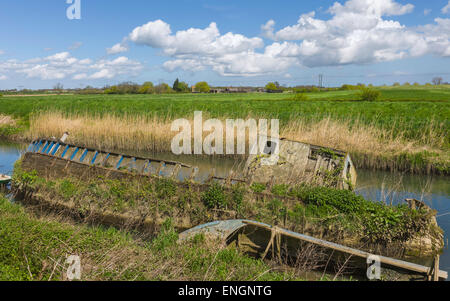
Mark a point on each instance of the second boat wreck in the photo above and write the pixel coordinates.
(262, 240)
(299, 162)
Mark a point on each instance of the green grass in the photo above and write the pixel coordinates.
(33, 248)
(408, 108)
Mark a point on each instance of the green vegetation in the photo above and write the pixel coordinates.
(272, 87)
(380, 222)
(180, 86)
(407, 122)
(202, 87)
(300, 97)
(370, 94)
(325, 208)
(35, 248)
(410, 109)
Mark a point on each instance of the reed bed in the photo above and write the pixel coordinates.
(149, 133)
(6, 120)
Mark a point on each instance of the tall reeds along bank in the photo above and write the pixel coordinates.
(371, 146)
(8, 127)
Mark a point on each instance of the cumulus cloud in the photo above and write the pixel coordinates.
(196, 49)
(62, 65)
(193, 41)
(1, 52)
(358, 33)
(3, 77)
(117, 48)
(446, 9)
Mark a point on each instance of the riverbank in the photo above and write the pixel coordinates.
(123, 199)
(38, 248)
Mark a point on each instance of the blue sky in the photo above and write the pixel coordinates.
(223, 42)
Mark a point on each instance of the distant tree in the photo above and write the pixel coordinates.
(437, 81)
(277, 84)
(180, 86)
(349, 87)
(58, 87)
(175, 86)
(271, 87)
(202, 87)
(396, 84)
(183, 87)
(163, 88)
(416, 84)
(112, 90)
(406, 84)
(147, 88)
(128, 88)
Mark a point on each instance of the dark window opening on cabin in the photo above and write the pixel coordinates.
(270, 147)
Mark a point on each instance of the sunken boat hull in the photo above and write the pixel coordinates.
(299, 162)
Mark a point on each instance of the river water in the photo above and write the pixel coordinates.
(379, 186)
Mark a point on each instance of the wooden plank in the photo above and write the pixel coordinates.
(358, 253)
(436, 268)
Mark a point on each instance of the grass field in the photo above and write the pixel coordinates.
(404, 122)
(410, 108)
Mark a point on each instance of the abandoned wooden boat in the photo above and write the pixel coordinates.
(262, 240)
(85, 156)
(299, 162)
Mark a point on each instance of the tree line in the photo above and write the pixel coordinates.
(162, 88)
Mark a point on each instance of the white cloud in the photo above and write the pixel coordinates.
(195, 49)
(359, 33)
(446, 9)
(427, 11)
(59, 56)
(371, 8)
(193, 41)
(104, 73)
(2, 52)
(117, 48)
(3, 77)
(62, 65)
(80, 76)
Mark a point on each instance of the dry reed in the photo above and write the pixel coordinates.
(141, 133)
(6, 120)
